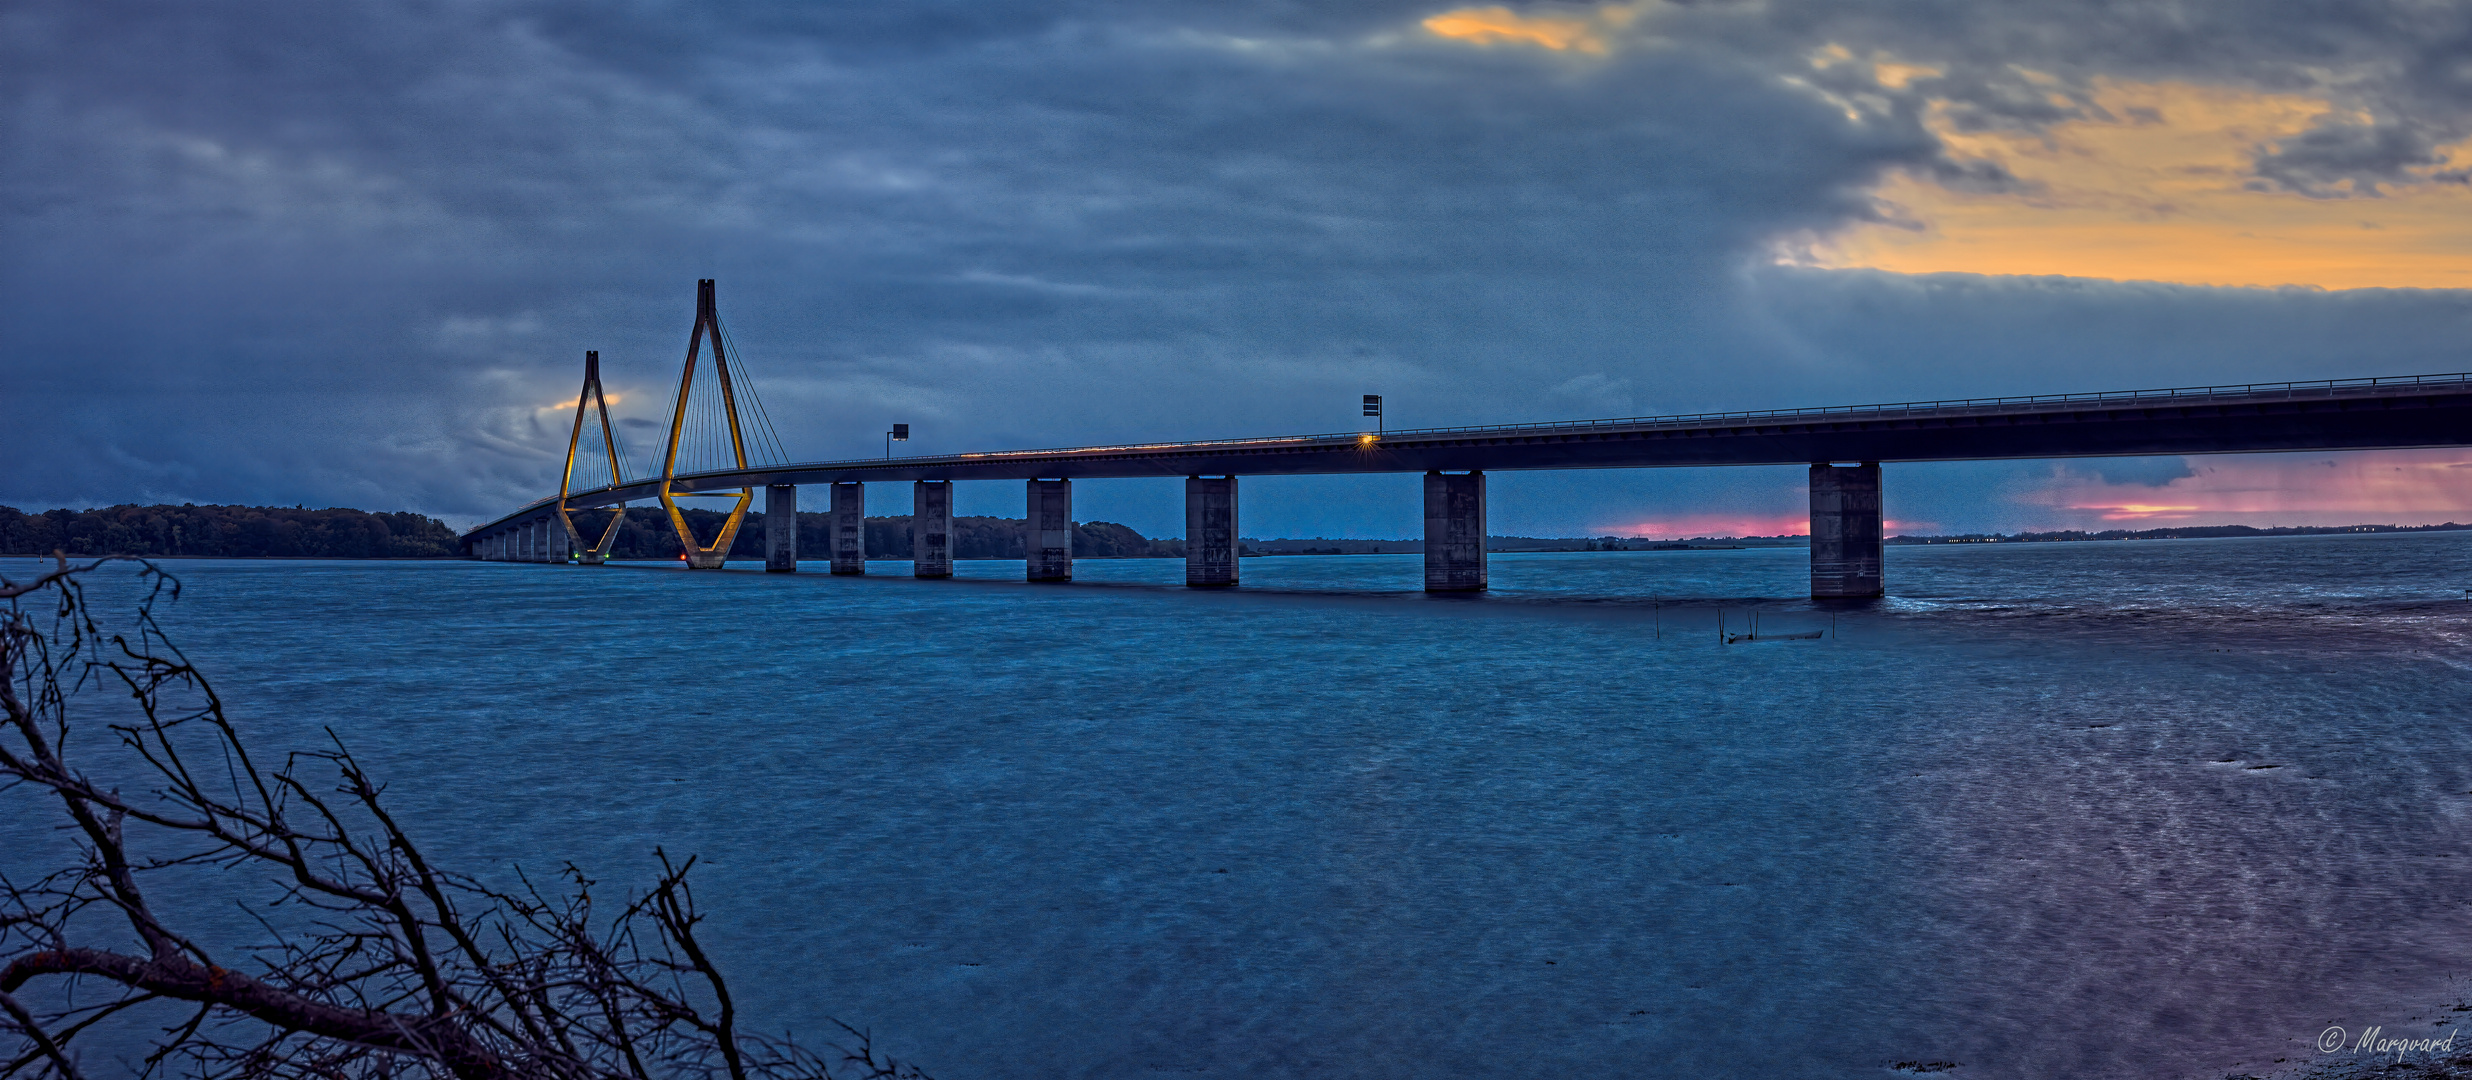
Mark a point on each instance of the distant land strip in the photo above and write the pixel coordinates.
(232, 532)
(296, 532)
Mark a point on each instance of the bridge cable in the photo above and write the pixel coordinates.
(619, 441)
(764, 425)
(669, 412)
(704, 442)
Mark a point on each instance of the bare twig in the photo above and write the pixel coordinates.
(377, 961)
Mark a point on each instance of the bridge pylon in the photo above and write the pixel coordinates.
(588, 399)
(707, 324)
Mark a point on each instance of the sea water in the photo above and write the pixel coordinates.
(2093, 809)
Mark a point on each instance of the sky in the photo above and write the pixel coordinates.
(351, 254)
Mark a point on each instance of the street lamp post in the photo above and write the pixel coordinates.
(900, 433)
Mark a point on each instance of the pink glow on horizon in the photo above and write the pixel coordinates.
(2397, 487)
(1686, 526)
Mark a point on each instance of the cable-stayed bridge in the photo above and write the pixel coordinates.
(706, 453)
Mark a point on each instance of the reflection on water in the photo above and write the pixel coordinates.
(2124, 809)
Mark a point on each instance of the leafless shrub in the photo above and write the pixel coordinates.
(384, 965)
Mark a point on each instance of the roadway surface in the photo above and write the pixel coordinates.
(2342, 414)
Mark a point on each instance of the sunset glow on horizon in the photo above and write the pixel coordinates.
(1696, 526)
(1691, 526)
(2394, 487)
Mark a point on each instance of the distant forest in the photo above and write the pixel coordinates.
(227, 532)
(245, 532)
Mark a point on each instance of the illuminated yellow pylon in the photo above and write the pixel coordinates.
(591, 398)
(707, 322)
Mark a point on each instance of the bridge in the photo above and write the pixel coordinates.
(1844, 446)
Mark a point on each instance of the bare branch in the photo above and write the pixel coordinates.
(376, 961)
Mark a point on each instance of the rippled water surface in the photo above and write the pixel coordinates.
(2120, 809)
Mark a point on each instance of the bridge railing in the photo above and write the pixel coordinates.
(2320, 387)
(2181, 394)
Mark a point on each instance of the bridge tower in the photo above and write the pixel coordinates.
(707, 325)
(586, 401)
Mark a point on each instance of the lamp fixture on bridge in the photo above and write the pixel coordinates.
(900, 433)
(1373, 408)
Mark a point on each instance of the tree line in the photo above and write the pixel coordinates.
(246, 532)
(227, 532)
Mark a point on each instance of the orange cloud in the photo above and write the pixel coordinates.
(568, 405)
(2400, 487)
(1560, 33)
(2158, 190)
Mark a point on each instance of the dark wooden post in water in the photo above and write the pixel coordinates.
(1454, 532)
(1047, 535)
(1845, 531)
(781, 529)
(849, 520)
(931, 529)
(1210, 531)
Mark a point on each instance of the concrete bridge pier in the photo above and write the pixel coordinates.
(931, 529)
(1047, 540)
(1210, 531)
(1454, 532)
(849, 520)
(781, 529)
(528, 542)
(1845, 531)
(561, 543)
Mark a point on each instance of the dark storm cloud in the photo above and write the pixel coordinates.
(2394, 68)
(2336, 158)
(351, 253)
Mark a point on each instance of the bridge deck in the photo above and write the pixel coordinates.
(2340, 414)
